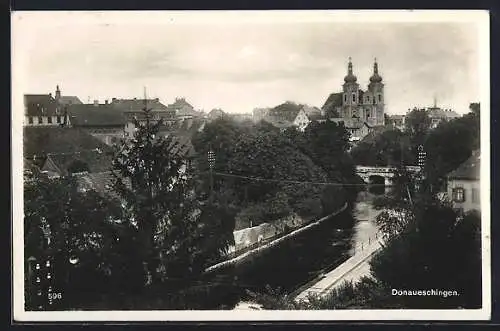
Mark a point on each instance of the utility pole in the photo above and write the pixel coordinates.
(211, 164)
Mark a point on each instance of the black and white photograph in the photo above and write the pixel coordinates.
(250, 165)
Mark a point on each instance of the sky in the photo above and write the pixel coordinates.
(238, 63)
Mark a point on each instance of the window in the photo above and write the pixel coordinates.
(40, 120)
(30, 120)
(475, 195)
(345, 98)
(458, 194)
(354, 97)
(49, 119)
(380, 98)
(58, 119)
(367, 98)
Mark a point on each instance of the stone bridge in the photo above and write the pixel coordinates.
(381, 175)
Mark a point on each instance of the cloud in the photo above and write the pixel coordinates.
(256, 62)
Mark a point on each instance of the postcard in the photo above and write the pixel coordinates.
(251, 165)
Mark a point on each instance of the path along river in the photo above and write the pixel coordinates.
(290, 266)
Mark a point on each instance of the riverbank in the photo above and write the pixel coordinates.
(350, 271)
(272, 243)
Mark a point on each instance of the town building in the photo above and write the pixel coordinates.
(115, 120)
(438, 115)
(463, 184)
(102, 121)
(352, 102)
(358, 129)
(216, 114)
(64, 150)
(47, 110)
(287, 115)
(184, 110)
(260, 114)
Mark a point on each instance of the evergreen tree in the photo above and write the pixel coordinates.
(156, 185)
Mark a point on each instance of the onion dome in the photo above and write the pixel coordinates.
(375, 78)
(350, 78)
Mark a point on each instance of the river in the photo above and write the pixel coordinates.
(292, 265)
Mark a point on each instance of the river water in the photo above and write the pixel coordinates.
(300, 261)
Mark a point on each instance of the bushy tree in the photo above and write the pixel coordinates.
(156, 185)
(389, 148)
(269, 156)
(63, 224)
(436, 251)
(449, 145)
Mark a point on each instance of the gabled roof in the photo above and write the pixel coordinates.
(333, 100)
(285, 112)
(470, 169)
(180, 103)
(95, 160)
(441, 113)
(69, 100)
(137, 104)
(40, 105)
(95, 115)
(41, 141)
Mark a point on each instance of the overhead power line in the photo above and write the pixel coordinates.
(291, 181)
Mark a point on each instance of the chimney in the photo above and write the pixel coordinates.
(96, 103)
(113, 100)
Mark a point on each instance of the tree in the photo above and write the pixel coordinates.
(156, 186)
(417, 126)
(449, 145)
(327, 145)
(269, 155)
(62, 223)
(389, 148)
(437, 250)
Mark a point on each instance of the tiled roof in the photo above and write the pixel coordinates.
(96, 160)
(69, 100)
(137, 104)
(333, 100)
(470, 169)
(101, 182)
(40, 105)
(286, 112)
(441, 113)
(180, 103)
(41, 141)
(96, 115)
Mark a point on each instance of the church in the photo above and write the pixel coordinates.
(359, 110)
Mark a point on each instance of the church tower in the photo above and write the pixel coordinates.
(376, 90)
(350, 95)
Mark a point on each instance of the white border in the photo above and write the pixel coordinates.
(481, 18)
